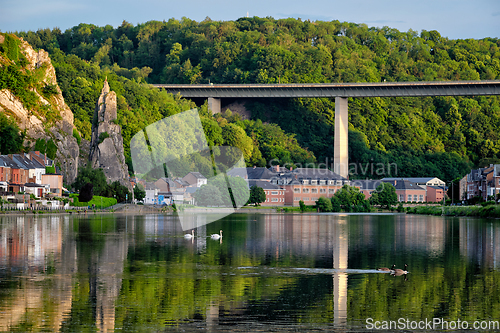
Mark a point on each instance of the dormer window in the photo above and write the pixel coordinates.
(305, 182)
(314, 182)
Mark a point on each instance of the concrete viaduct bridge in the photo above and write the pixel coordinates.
(340, 91)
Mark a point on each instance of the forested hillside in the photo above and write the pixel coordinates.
(442, 136)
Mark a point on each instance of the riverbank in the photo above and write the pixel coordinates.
(491, 211)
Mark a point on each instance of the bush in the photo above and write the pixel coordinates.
(77, 136)
(103, 136)
(324, 204)
(302, 206)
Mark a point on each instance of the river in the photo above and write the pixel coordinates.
(269, 272)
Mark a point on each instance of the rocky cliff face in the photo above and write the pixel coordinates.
(35, 124)
(106, 145)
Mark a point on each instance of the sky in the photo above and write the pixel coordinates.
(455, 19)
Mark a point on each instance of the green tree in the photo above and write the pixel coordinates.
(118, 191)
(139, 192)
(92, 176)
(302, 206)
(336, 207)
(324, 204)
(238, 188)
(208, 195)
(257, 195)
(349, 197)
(11, 140)
(384, 196)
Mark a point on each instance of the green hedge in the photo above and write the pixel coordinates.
(96, 200)
(491, 211)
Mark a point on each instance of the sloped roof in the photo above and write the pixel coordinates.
(263, 184)
(6, 161)
(411, 179)
(23, 162)
(251, 173)
(402, 184)
(316, 173)
(366, 184)
(197, 175)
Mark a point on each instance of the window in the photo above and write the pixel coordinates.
(414, 197)
(274, 192)
(296, 190)
(305, 182)
(331, 182)
(296, 199)
(409, 197)
(401, 197)
(339, 182)
(314, 190)
(305, 190)
(305, 199)
(314, 182)
(322, 182)
(421, 197)
(274, 199)
(331, 190)
(322, 190)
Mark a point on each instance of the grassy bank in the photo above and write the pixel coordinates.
(99, 202)
(491, 211)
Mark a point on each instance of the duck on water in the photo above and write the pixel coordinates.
(385, 269)
(398, 271)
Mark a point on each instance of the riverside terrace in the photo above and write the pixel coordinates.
(341, 92)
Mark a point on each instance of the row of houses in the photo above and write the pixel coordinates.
(483, 183)
(26, 173)
(284, 187)
(166, 191)
(287, 187)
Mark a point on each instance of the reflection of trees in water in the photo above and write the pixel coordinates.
(131, 272)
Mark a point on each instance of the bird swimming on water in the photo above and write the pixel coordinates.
(189, 236)
(216, 236)
(399, 271)
(385, 269)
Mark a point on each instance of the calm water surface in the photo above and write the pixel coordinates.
(270, 272)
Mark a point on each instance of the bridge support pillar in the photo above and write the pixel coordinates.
(341, 153)
(214, 105)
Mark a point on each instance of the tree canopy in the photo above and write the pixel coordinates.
(442, 136)
(257, 195)
(385, 195)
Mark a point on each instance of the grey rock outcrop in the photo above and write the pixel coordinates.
(106, 145)
(35, 124)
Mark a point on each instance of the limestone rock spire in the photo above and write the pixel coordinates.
(106, 145)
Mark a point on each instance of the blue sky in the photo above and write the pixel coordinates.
(455, 19)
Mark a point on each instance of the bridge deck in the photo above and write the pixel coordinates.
(384, 89)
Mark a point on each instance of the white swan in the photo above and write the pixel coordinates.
(189, 236)
(216, 236)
